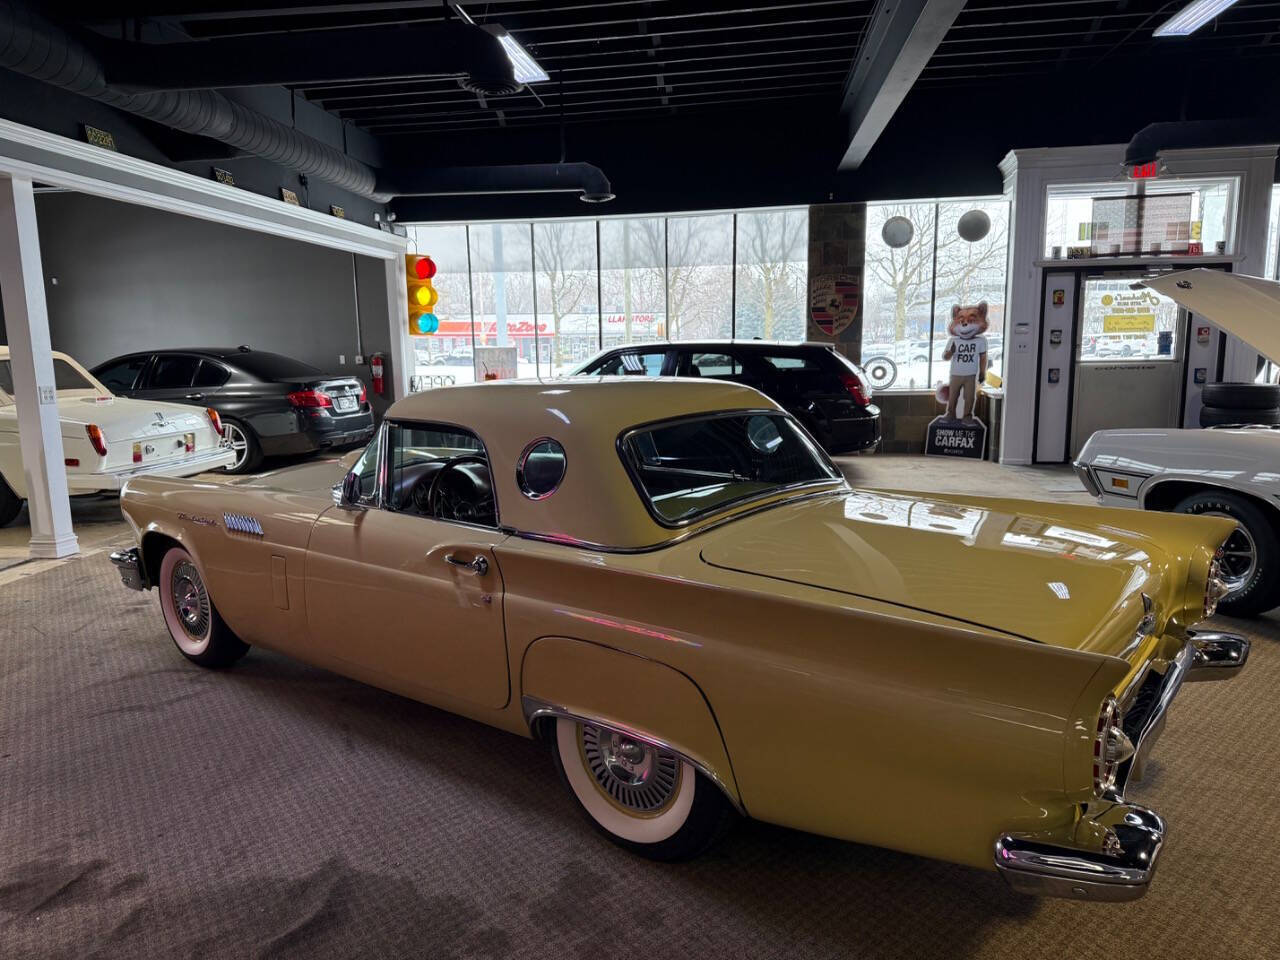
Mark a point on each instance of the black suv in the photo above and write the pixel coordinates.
(269, 404)
(826, 392)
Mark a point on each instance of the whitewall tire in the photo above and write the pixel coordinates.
(194, 623)
(647, 799)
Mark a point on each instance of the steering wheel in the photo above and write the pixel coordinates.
(445, 501)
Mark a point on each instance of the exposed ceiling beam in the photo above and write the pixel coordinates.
(900, 39)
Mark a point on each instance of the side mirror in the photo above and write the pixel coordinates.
(350, 499)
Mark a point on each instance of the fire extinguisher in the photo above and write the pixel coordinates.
(375, 368)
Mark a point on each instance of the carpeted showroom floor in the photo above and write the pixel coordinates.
(152, 809)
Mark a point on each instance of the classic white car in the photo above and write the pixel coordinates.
(108, 439)
(1229, 471)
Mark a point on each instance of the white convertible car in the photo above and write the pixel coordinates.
(1230, 471)
(108, 439)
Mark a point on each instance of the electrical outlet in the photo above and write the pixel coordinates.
(1021, 346)
(342, 359)
(359, 359)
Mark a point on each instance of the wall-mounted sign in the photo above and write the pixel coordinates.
(1059, 297)
(288, 196)
(1164, 343)
(1055, 374)
(1129, 323)
(833, 301)
(1144, 171)
(956, 438)
(337, 211)
(1200, 375)
(1195, 248)
(1202, 334)
(1197, 227)
(1055, 338)
(224, 176)
(1079, 253)
(495, 363)
(98, 137)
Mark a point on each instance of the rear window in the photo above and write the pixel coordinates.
(65, 377)
(690, 467)
(272, 366)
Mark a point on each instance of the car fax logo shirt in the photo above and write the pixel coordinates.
(964, 362)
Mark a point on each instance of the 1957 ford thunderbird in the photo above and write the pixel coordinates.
(671, 584)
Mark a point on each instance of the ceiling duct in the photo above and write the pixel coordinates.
(1148, 142)
(32, 46)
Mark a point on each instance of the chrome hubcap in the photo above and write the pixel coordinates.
(239, 443)
(1239, 557)
(190, 601)
(635, 775)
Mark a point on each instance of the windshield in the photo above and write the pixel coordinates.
(65, 377)
(686, 468)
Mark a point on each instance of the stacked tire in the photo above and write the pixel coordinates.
(1240, 403)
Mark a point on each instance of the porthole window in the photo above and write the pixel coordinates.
(541, 468)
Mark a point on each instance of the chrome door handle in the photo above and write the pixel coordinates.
(194, 396)
(478, 565)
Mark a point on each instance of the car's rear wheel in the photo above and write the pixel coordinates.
(244, 443)
(1250, 564)
(10, 504)
(194, 623)
(644, 798)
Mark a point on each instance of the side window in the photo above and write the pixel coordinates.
(633, 363)
(719, 365)
(211, 375)
(123, 376)
(440, 472)
(173, 371)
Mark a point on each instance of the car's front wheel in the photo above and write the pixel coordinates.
(1250, 563)
(194, 623)
(644, 798)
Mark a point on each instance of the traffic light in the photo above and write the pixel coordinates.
(422, 295)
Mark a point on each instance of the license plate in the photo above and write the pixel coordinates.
(344, 404)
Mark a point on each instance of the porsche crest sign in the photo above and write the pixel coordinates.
(833, 301)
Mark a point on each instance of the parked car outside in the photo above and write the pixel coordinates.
(825, 391)
(270, 405)
(671, 584)
(107, 439)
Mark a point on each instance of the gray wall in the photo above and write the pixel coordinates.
(121, 278)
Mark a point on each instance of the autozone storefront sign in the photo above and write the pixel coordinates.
(643, 326)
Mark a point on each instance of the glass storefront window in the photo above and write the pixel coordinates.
(700, 277)
(772, 273)
(564, 276)
(970, 272)
(897, 295)
(502, 291)
(633, 298)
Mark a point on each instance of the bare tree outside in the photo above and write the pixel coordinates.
(904, 273)
(565, 280)
(773, 270)
(699, 276)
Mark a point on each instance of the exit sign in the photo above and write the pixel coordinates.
(1144, 171)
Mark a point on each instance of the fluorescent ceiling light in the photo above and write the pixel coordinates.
(1191, 18)
(523, 66)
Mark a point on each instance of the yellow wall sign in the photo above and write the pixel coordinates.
(1129, 323)
(99, 138)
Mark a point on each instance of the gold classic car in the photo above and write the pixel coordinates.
(671, 584)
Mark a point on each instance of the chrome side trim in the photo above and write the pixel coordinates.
(1216, 656)
(535, 709)
(1085, 476)
(129, 564)
(1107, 857)
(1149, 728)
(683, 535)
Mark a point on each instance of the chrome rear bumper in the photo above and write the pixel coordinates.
(1110, 854)
(129, 564)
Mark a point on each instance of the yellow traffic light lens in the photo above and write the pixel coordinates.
(424, 296)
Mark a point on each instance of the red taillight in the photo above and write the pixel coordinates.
(215, 420)
(364, 394)
(856, 388)
(310, 398)
(96, 438)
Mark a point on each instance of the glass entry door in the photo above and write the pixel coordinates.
(1129, 350)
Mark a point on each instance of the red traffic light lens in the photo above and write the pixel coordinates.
(425, 268)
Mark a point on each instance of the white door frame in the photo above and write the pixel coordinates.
(29, 156)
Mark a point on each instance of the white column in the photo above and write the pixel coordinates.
(398, 309)
(26, 318)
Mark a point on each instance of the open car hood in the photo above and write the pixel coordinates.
(1249, 307)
